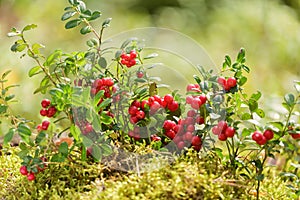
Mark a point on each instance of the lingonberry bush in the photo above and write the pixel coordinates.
(96, 106)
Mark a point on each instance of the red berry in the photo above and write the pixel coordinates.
(295, 136)
(189, 120)
(51, 111)
(190, 128)
(45, 125)
(133, 119)
(257, 136)
(131, 134)
(44, 112)
(196, 103)
(189, 99)
(173, 106)
(168, 124)
(226, 87)
(39, 127)
(179, 129)
(154, 107)
(140, 74)
(88, 129)
(140, 114)
(170, 133)
(262, 141)
(191, 113)
(94, 91)
(196, 141)
(203, 98)
(231, 82)
(168, 98)
(222, 125)
(222, 81)
(222, 137)
(133, 54)
(180, 145)
(124, 62)
(23, 170)
(200, 119)
(136, 103)
(216, 131)
(131, 63)
(229, 132)
(30, 176)
(269, 134)
(89, 151)
(144, 104)
(155, 138)
(188, 136)
(45, 103)
(132, 110)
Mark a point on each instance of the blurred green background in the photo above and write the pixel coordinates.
(269, 30)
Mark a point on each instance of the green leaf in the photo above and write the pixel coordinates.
(85, 30)
(227, 61)
(297, 86)
(247, 69)
(97, 153)
(63, 148)
(8, 137)
(9, 97)
(3, 108)
(256, 96)
(29, 27)
(5, 74)
(75, 132)
(95, 15)
(40, 137)
(241, 56)
(87, 142)
(289, 99)
(106, 22)
(68, 15)
(23, 129)
(260, 177)
(278, 125)
(260, 113)
(242, 81)
(92, 42)
(246, 116)
(106, 149)
(81, 6)
(58, 158)
(34, 71)
(253, 105)
(72, 23)
(105, 103)
(102, 62)
(42, 89)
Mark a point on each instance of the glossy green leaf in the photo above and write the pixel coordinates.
(58, 158)
(97, 153)
(3, 108)
(23, 129)
(68, 15)
(106, 22)
(102, 62)
(63, 148)
(85, 30)
(29, 27)
(106, 149)
(8, 136)
(34, 71)
(95, 15)
(289, 99)
(72, 23)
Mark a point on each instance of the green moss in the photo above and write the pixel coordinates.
(189, 177)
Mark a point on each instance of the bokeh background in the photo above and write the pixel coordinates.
(269, 30)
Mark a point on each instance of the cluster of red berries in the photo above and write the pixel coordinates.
(105, 84)
(139, 109)
(47, 110)
(223, 131)
(30, 174)
(182, 133)
(262, 138)
(196, 101)
(227, 84)
(129, 59)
